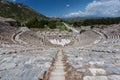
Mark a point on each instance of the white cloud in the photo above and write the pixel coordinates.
(67, 5)
(13, 0)
(104, 8)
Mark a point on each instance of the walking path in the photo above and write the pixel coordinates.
(71, 28)
(16, 36)
(58, 73)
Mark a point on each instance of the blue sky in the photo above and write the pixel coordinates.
(75, 8)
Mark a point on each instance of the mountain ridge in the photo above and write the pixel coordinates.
(18, 11)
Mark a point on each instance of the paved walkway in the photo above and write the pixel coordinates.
(58, 73)
(16, 36)
(71, 28)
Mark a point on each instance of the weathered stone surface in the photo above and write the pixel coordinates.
(95, 78)
(25, 66)
(7, 66)
(114, 77)
(113, 70)
(27, 55)
(97, 71)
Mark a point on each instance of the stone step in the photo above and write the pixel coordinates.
(59, 61)
(58, 64)
(59, 68)
(57, 78)
(58, 73)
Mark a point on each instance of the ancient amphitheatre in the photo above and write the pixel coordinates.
(59, 55)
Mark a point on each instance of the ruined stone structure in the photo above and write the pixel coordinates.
(29, 55)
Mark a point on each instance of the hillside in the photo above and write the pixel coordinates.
(18, 11)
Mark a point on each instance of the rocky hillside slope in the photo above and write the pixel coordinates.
(18, 11)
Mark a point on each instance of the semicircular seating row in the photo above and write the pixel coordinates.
(98, 61)
(113, 35)
(88, 38)
(30, 38)
(25, 65)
